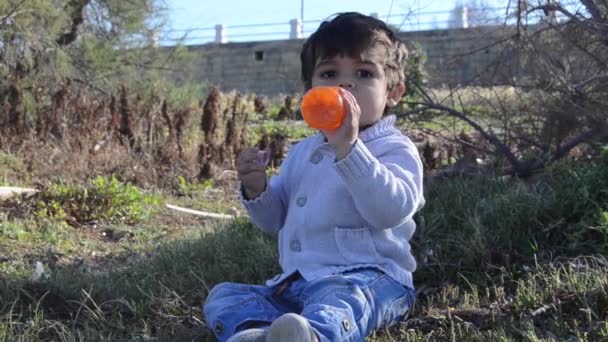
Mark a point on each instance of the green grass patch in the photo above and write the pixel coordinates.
(499, 260)
(560, 301)
(188, 188)
(102, 199)
(221, 253)
(13, 170)
(485, 223)
(134, 298)
(35, 232)
(293, 130)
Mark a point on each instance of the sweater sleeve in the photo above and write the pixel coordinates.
(386, 190)
(269, 209)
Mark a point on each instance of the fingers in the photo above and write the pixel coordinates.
(250, 168)
(353, 111)
(347, 95)
(263, 157)
(252, 160)
(248, 155)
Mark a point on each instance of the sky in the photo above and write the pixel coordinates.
(197, 18)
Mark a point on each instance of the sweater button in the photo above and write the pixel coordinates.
(219, 328)
(316, 158)
(301, 201)
(295, 246)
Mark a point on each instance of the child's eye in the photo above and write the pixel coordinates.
(364, 74)
(328, 74)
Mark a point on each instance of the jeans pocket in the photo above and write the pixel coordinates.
(356, 245)
(225, 289)
(229, 305)
(400, 307)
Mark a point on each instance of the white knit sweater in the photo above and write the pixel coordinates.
(336, 216)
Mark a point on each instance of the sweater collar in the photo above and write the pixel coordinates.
(381, 128)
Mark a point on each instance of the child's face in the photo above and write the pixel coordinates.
(364, 77)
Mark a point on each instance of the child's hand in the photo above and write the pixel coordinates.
(251, 168)
(345, 136)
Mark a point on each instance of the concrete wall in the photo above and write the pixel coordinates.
(454, 56)
(481, 56)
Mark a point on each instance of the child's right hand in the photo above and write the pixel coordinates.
(251, 168)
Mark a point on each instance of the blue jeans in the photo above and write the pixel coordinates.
(344, 307)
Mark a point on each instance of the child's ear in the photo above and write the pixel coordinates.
(395, 94)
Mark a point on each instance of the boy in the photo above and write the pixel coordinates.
(342, 204)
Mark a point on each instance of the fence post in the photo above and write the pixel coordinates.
(220, 34)
(296, 29)
(465, 17)
(551, 17)
(155, 38)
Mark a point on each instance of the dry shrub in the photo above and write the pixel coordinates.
(287, 110)
(260, 104)
(78, 134)
(276, 144)
(224, 125)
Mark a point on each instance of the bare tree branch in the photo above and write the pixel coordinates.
(592, 134)
(484, 47)
(77, 8)
(584, 23)
(501, 148)
(594, 10)
(12, 12)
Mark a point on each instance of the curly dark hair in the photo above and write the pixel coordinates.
(350, 34)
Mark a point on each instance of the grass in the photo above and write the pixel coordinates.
(294, 130)
(499, 260)
(104, 198)
(11, 167)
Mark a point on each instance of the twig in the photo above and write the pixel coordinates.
(571, 16)
(541, 310)
(482, 48)
(200, 213)
(11, 191)
(598, 133)
(489, 136)
(12, 12)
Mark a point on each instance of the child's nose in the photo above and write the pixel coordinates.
(347, 84)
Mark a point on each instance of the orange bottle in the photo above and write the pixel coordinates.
(322, 108)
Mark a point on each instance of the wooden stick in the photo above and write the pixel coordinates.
(200, 213)
(7, 192)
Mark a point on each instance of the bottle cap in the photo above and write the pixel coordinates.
(323, 108)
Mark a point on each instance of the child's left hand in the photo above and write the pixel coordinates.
(343, 138)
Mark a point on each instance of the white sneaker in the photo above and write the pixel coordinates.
(250, 335)
(291, 328)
